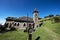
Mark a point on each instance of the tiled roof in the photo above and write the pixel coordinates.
(21, 19)
(26, 18)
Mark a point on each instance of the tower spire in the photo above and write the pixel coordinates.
(35, 10)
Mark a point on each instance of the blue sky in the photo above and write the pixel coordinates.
(19, 8)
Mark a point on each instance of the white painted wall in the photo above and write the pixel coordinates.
(21, 24)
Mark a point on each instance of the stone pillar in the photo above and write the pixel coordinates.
(8, 27)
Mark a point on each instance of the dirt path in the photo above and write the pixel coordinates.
(51, 33)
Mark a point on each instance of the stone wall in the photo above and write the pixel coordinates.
(17, 25)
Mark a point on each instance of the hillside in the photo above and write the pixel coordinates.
(48, 31)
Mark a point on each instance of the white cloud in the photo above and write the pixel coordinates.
(2, 21)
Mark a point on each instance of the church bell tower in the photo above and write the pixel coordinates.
(35, 18)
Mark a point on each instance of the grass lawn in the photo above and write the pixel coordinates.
(48, 31)
(14, 35)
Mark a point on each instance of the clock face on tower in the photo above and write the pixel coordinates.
(35, 14)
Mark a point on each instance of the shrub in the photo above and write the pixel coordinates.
(56, 19)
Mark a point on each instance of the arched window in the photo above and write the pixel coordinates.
(15, 24)
(6, 24)
(24, 24)
(18, 24)
(10, 25)
(37, 25)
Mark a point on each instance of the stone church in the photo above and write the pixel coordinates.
(23, 22)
